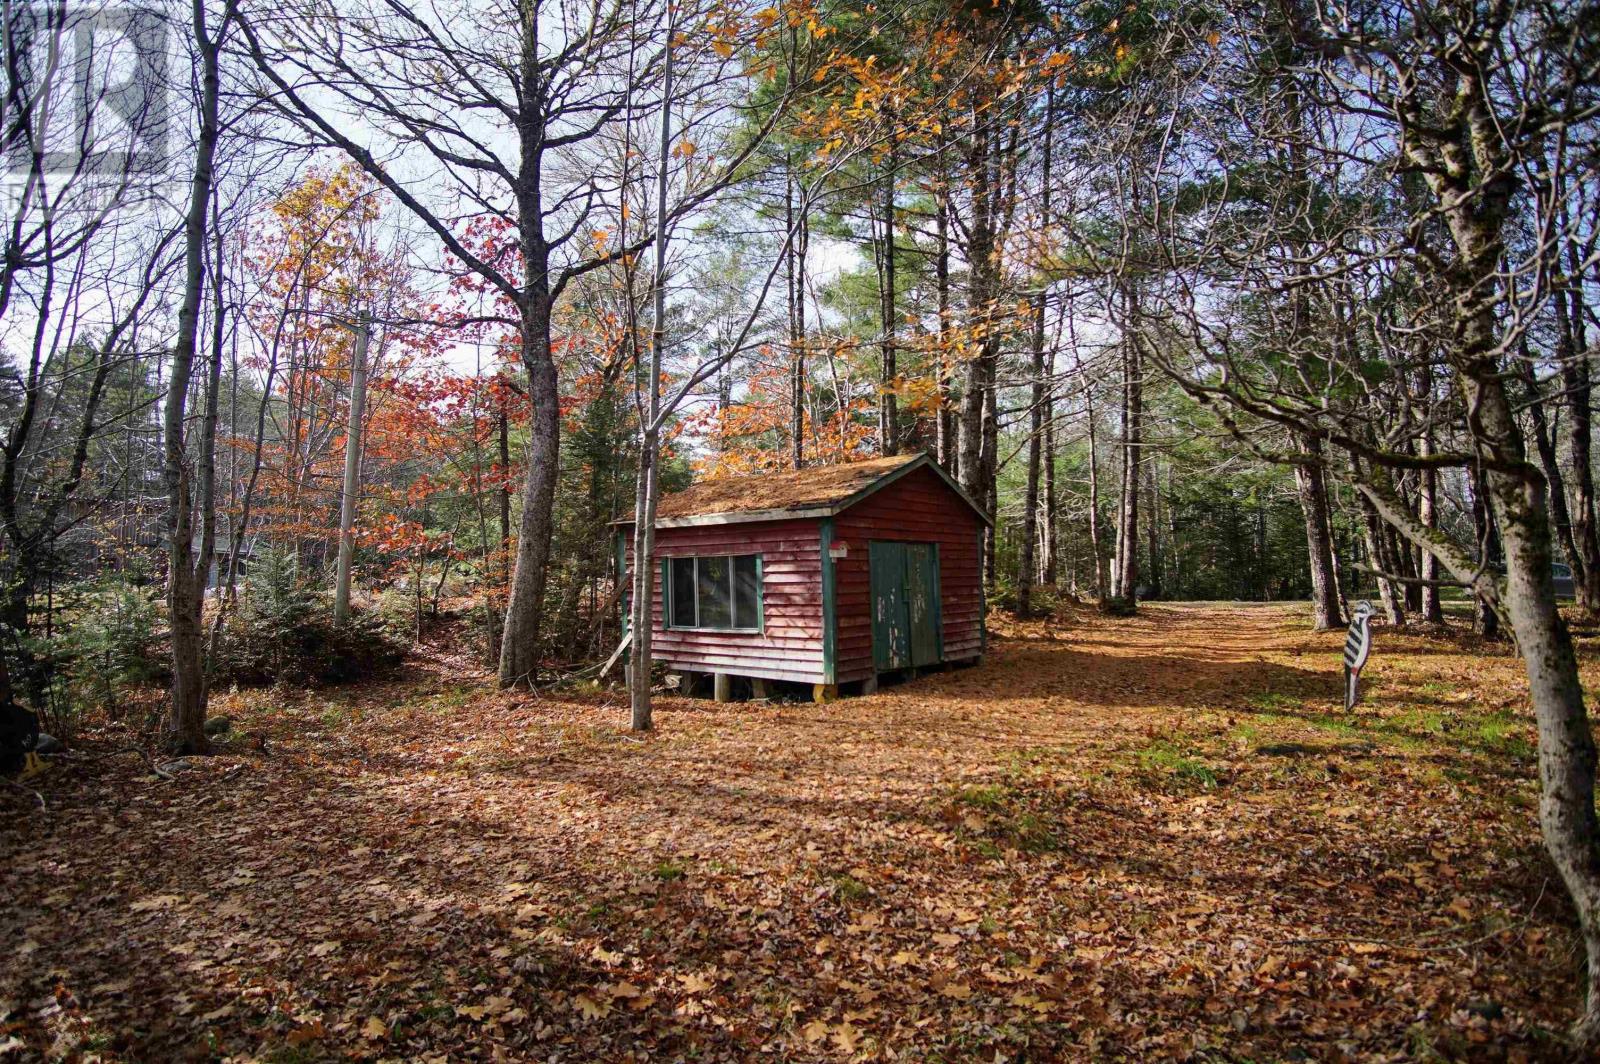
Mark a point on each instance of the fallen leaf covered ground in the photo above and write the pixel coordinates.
(1154, 838)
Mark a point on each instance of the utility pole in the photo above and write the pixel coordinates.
(352, 470)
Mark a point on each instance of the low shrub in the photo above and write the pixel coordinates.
(105, 640)
(115, 645)
(1117, 606)
(284, 634)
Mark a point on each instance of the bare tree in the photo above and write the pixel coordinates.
(190, 473)
(502, 119)
(87, 251)
(656, 408)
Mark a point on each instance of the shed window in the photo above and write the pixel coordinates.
(721, 592)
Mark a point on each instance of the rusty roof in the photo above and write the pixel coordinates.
(817, 491)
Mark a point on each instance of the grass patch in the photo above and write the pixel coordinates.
(1504, 733)
(1429, 722)
(669, 871)
(334, 715)
(1033, 835)
(1021, 814)
(990, 797)
(848, 888)
(1172, 764)
(448, 699)
(1276, 706)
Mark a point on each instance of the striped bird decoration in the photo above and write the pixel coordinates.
(1357, 646)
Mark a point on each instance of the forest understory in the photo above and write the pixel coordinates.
(1150, 838)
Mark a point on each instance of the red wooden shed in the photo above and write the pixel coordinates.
(823, 576)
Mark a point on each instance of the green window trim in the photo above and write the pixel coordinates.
(625, 598)
(983, 598)
(668, 593)
(830, 617)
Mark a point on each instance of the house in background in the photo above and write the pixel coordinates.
(828, 576)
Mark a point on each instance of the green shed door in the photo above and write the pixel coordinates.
(905, 604)
(891, 621)
(922, 600)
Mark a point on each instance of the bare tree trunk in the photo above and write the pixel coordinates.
(1125, 569)
(648, 489)
(980, 251)
(990, 460)
(185, 572)
(1474, 203)
(520, 643)
(1573, 355)
(1311, 480)
(1052, 518)
(1378, 558)
(1578, 385)
(494, 610)
(1037, 392)
(1329, 496)
(1516, 494)
(1404, 559)
(1485, 616)
(352, 472)
(520, 646)
(1030, 501)
(1428, 513)
(1102, 579)
(1153, 534)
(888, 407)
(946, 446)
(795, 265)
(1544, 442)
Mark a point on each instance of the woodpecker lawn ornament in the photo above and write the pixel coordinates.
(1357, 646)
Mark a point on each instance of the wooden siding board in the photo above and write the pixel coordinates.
(789, 646)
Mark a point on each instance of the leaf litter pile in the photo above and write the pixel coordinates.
(1157, 838)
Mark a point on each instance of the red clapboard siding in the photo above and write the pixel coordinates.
(921, 508)
(790, 645)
